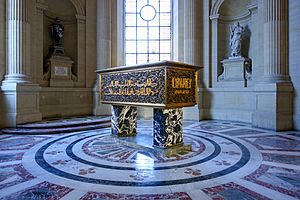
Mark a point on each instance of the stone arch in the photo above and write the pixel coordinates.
(218, 4)
(79, 7)
(216, 7)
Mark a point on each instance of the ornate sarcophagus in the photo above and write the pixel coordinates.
(167, 86)
(164, 84)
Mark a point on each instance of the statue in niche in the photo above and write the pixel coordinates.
(57, 32)
(236, 40)
(58, 67)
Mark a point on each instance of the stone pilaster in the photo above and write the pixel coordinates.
(19, 98)
(81, 51)
(103, 51)
(40, 8)
(192, 25)
(274, 94)
(192, 43)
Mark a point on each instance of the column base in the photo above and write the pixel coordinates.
(16, 78)
(167, 125)
(19, 104)
(274, 106)
(178, 150)
(124, 120)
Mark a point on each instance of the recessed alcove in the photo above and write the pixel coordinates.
(66, 12)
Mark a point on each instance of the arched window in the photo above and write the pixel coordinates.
(148, 25)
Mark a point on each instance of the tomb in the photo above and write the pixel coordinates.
(166, 86)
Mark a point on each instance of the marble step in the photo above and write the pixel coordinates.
(60, 126)
(64, 123)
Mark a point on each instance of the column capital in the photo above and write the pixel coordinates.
(214, 17)
(81, 19)
(40, 8)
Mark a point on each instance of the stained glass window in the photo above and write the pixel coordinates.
(147, 31)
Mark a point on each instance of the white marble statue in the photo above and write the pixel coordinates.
(236, 40)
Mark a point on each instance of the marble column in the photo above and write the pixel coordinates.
(274, 94)
(20, 97)
(103, 51)
(192, 43)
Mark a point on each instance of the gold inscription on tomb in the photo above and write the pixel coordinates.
(132, 87)
(182, 85)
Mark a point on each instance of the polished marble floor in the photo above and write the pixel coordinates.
(229, 160)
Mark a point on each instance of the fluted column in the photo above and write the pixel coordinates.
(276, 41)
(18, 46)
(192, 44)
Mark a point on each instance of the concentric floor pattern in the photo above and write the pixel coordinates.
(228, 161)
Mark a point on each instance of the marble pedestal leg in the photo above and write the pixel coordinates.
(167, 127)
(124, 120)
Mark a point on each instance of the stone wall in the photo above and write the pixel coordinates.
(65, 102)
(94, 40)
(79, 20)
(229, 100)
(265, 101)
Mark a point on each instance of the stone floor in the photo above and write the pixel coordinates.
(228, 160)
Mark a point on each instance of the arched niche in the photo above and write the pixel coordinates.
(72, 16)
(234, 8)
(223, 14)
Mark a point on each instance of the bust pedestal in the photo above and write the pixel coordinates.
(60, 71)
(237, 70)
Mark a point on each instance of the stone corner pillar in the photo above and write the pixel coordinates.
(20, 97)
(103, 52)
(274, 93)
(192, 45)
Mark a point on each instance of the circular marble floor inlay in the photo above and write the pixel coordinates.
(97, 158)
